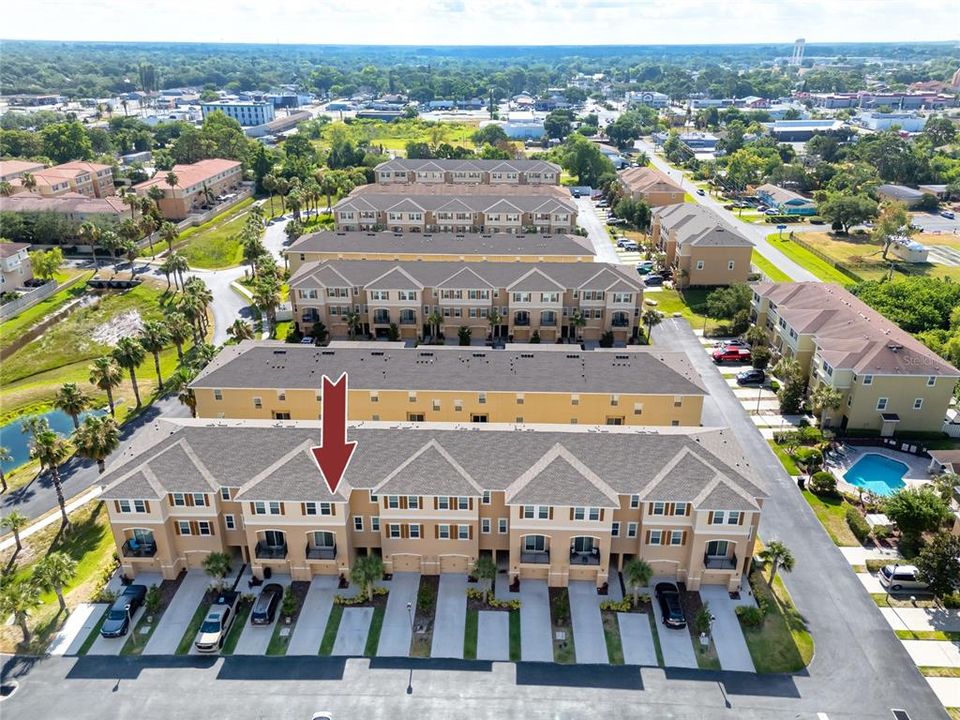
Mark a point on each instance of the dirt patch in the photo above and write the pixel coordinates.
(126, 324)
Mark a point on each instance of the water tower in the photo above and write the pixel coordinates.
(797, 58)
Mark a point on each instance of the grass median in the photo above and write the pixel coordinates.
(807, 260)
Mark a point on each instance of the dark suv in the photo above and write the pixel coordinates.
(668, 595)
(121, 612)
(265, 606)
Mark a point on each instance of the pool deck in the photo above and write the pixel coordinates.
(915, 476)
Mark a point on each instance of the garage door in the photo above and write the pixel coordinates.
(406, 563)
(453, 564)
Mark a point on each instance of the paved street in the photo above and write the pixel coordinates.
(596, 231)
(854, 647)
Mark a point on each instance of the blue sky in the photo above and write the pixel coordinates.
(484, 22)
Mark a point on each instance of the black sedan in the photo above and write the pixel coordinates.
(653, 281)
(117, 622)
(751, 376)
(670, 606)
(265, 606)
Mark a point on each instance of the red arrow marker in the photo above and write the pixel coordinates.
(334, 453)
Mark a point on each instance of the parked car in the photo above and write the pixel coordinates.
(623, 241)
(753, 376)
(700, 192)
(771, 211)
(644, 269)
(948, 214)
(603, 204)
(216, 623)
(730, 354)
(665, 273)
(576, 194)
(670, 606)
(900, 577)
(122, 611)
(653, 281)
(630, 246)
(265, 606)
(733, 342)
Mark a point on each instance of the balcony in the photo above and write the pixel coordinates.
(132, 548)
(713, 562)
(315, 552)
(619, 323)
(535, 557)
(521, 321)
(408, 320)
(585, 558)
(270, 552)
(381, 318)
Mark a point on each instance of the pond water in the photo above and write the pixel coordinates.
(17, 442)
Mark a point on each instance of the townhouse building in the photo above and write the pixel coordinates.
(555, 504)
(12, 169)
(438, 247)
(15, 267)
(421, 207)
(197, 184)
(468, 172)
(702, 249)
(514, 301)
(92, 180)
(889, 381)
(73, 206)
(650, 185)
(391, 382)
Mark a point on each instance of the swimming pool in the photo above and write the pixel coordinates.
(877, 473)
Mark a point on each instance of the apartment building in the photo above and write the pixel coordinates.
(15, 268)
(391, 382)
(72, 206)
(650, 185)
(420, 207)
(552, 503)
(470, 172)
(89, 179)
(702, 249)
(438, 247)
(510, 301)
(890, 381)
(245, 113)
(12, 169)
(197, 184)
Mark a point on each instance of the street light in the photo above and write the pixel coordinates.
(410, 678)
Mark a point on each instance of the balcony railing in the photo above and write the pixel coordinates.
(139, 549)
(408, 321)
(381, 319)
(271, 552)
(538, 557)
(713, 562)
(619, 323)
(591, 557)
(521, 321)
(548, 322)
(315, 552)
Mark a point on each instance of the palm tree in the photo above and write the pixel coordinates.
(253, 250)
(637, 573)
(106, 375)
(130, 199)
(5, 456)
(217, 566)
(651, 318)
(180, 383)
(577, 323)
(110, 242)
(779, 556)
(367, 569)
(15, 521)
(352, 319)
(180, 330)
(156, 194)
(266, 297)
(755, 335)
(201, 355)
(96, 438)
(54, 572)
(166, 267)
(240, 330)
(329, 185)
(178, 266)
(19, 599)
(52, 450)
(269, 183)
(129, 353)
(154, 337)
(171, 179)
(28, 182)
(169, 233)
(148, 226)
(72, 400)
(89, 234)
(196, 297)
(130, 251)
(435, 320)
(825, 398)
(485, 569)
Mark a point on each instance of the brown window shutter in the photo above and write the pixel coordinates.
(403, 502)
(116, 505)
(551, 512)
(253, 508)
(303, 508)
(283, 508)
(170, 499)
(683, 539)
(436, 531)
(571, 513)
(470, 503)
(647, 541)
(213, 530)
(740, 519)
(669, 508)
(436, 503)
(404, 531)
(188, 499)
(146, 505)
(384, 502)
(333, 509)
(649, 508)
(602, 511)
(688, 509)
(470, 532)
(710, 518)
(421, 531)
(176, 528)
(194, 528)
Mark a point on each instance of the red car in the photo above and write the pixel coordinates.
(731, 354)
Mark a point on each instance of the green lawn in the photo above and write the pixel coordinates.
(470, 630)
(137, 639)
(782, 644)
(806, 259)
(788, 464)
(395, 135)
(514, 636)
(864, 256)
(707, 658)
(689, 304)
(330, 633)
(215, 244)
(656, 638)
(831, 512)
(278, 643)
(611, 633)
(373, 636)
(190, 634)
(12, 329)
(239, 622)
(928, 635)
(772, 272)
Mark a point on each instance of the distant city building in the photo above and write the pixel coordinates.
(802, 130)
(648, 98)
(785, 201)
(477, 172)
(798, 47)
(523, 125)
(78, 178)
(650, 185)
(900, 193)
(908, 122)
(245, 113)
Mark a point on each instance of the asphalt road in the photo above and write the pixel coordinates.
(858, 663)
(596, 231)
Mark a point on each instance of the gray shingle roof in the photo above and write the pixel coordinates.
(698, 225)
(430, 471)
(294, 476)
(280, 365)
(558, 478)
(526, 198)
(403, 164)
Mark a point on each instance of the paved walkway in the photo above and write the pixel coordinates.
(857, 555)
(396, 632)
(922, 619)
(312, 623)
(934, 653)
(450, 621)
(636, 636)
(727, 636)
(536, 642)
(676, 645)
(493, 635)
(352, 635)
(178, 615)
(947, 690)
(588, 637)
(113, 646)
(77, 628)
(870, 583)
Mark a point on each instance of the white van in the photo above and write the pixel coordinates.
(900, 577)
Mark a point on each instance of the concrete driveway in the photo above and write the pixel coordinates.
(588, 637)
(536, 642)
(352, 635)
(676, 645)
(727, 636)
(113, 646)
(396, 633)
(178, 615)
(451, 616)
(636, 637)
(312, 623)
(493, 635)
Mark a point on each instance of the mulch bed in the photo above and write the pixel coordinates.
(299, 588)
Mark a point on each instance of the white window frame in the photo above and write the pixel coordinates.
(485, 526)
(229, 522)
(443, 532)
(358, 523)
(631, 530)
(463, 532)
(184, 527)
(375, 523)
(503, 526)
(719, 517)
(882, 404)
(676, 537)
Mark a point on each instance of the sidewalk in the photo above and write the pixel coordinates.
(52, 517)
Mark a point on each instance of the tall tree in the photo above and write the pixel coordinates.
(779, 556)
(72, 400)
(54, 572)
(154, 337)
(129, 353)
(106, 375)
(89, 234)
(19, 599)
(52, 450)
(96, 438)
(180, 330)
(637, 572)
(15, 521)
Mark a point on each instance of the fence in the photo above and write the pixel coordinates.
(826, 258)
(27, 300)
(913, 448)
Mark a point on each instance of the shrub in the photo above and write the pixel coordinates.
(617, 605)
(951, 601)
(750, 616)
(474, 594)
(823, 483)
(810, 457)
(774, 385)
(560, 607)
(858, 525)
(506, 604)
(881, 532)
(759, 589)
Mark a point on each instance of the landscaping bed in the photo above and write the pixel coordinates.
(330, 632)
(280, 640)
(421, 640)
(478, 600)
(780, 643)
(564, 651)
(141, 634)
(707, 658)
